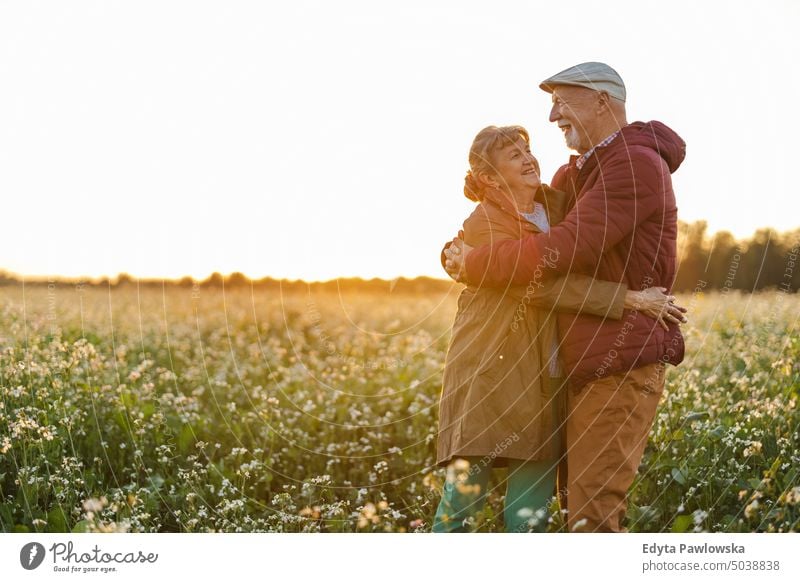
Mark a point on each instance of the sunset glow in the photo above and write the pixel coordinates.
(320, 140)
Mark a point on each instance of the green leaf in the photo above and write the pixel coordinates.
(696, 416)
(682, 523)
(789, 478)
(157, 481)
(679, 476)
(717, 432)
(121, 420)
(773, 470)
(6, 516)
(81, 527)
(56, 521)
(646, 514)
(186, 438)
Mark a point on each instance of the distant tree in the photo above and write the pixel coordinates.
(691, 255)
(764, 260)
(237, 280)
(214, 280)
(123, 279)
(790, 261)
(767, 259)
(761, 261)
(267, 283)
(721, 259)
(6, 279)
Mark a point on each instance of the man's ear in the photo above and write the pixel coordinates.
(603, 101)
(487, 180)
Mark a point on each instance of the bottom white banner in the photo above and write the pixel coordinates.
(378, 557)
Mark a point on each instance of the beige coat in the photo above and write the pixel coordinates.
(497, 399)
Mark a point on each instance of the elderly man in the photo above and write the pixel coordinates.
(622, 226)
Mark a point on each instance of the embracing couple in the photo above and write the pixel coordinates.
(558, 350)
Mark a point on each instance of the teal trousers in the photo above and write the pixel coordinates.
(529, 489)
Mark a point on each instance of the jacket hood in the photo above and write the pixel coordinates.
(659, 137)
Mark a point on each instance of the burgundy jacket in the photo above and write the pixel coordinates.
(622, 227)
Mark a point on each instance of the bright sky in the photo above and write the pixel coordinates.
(325, 139)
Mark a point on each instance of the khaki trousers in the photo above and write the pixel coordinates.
(608, 423)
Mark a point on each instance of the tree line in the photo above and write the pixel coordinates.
(768, 259)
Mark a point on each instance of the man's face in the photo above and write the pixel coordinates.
(575, 111)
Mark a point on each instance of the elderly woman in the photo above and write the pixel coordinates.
(502, 401)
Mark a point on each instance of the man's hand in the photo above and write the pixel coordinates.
(456, 254)
(655, 303)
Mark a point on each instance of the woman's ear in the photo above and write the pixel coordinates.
(487, 180)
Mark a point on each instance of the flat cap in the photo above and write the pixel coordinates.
(594, 76)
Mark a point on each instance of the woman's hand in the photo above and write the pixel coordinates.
(456, 259)
(654, 303)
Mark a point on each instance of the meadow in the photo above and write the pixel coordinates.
(195, 409)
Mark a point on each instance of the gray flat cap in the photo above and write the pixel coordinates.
(595, 76)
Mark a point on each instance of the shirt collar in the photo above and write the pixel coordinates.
(582, 159)
(502, 201)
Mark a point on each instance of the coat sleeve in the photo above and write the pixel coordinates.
(475, 230)
(575, 293)
(629, 190)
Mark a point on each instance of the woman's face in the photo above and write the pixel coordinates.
(517, 170)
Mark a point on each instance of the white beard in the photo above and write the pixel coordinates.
(573, 139)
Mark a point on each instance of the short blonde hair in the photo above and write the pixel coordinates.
(481, 155)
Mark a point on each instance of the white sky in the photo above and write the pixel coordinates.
(324, 139)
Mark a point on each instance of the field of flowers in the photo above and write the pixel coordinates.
(203, 409)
